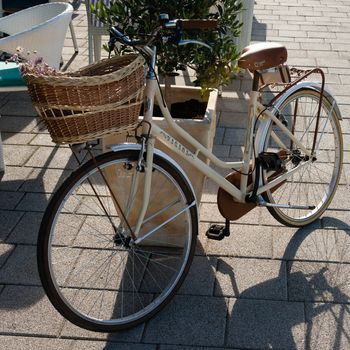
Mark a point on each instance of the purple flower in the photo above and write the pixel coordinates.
(38, 60)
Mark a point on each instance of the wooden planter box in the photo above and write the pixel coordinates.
(203, 130)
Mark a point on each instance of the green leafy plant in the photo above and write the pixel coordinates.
(214, 67)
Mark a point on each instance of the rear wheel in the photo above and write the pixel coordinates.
(314, 185)
(92, 269)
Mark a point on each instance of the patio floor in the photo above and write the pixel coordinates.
(239, 293)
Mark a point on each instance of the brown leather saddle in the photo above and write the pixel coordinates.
(262, 56)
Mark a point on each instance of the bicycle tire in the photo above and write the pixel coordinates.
(316, 184)
(79, 244)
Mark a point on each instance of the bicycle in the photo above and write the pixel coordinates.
(111, 253)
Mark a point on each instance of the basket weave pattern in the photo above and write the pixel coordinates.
(99, 99)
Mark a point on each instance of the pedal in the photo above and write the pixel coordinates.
(218, 232)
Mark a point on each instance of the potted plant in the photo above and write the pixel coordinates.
(212, 68)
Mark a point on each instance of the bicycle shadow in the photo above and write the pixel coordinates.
(218, 305)
(303, 307)
(310, 311)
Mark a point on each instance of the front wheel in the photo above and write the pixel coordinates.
(312, 188)
(94, 272)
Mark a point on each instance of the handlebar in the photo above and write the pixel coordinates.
(178, 25)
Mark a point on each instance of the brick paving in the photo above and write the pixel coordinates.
(241, 293)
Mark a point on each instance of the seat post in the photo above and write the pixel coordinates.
(256, 79)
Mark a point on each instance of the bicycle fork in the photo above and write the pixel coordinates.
(146, 166)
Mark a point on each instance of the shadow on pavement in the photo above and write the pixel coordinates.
(304, 307)
(315, 311)
(18, 264)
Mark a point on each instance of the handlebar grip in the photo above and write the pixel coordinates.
(198, 23)
(120, 36)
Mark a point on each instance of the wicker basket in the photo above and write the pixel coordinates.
(99, 99)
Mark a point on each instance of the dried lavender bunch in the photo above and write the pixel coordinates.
(30, 66)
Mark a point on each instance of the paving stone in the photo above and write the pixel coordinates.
(17, 155)
(221, 151)
(225, 105)
(267, 219)
(236, 153)
(245, 241)
(335, 63)
(327, 326)
(285, 241)
(219, 135)
(34, 202)
(210, 191)
(251, 279)
(42, 140)
(5, 251)
(18, 124)
(312, 244)
(8, 220)
(233, 120)
(9, 200)
(201, 277)
(19, 138)
(31, 343)
(254, 217)
(338, 219)
(292, 33)
(341, 200)
(25, 310)
(26, 231)
(302, 62)
(180, 347)
(189, 320)
(326, 280)
(209, 212)
(320, 35)
(234, 137)
(11, 108)
(202, 241)
(53, 157)
(44, 180)
(129, 335)
(21, 267)
(346, 156)
(94, 345)
(14, 178)
(265, 324)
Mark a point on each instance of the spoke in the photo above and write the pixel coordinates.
(154, 215)
(159, 263)
(140, 239)
(149, 272)
(134, 287)
(93, 261)
(101, 236)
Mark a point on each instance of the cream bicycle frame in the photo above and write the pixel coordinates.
(255, 109)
